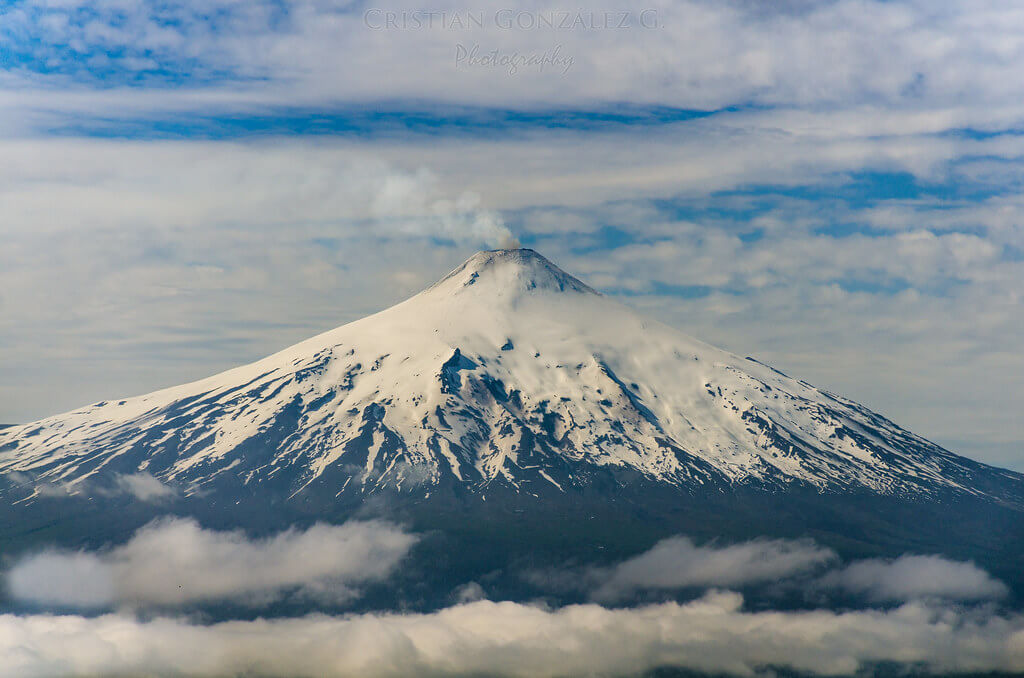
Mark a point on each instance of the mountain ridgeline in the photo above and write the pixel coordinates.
(508, 373)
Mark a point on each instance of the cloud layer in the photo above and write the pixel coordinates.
(913, 577)
(677, 563)
(700, 54)
(175, 562)
(712, 634)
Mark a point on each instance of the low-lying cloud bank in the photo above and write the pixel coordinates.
(677, 562)
(911, 577)
(711, 634)
(175, 562)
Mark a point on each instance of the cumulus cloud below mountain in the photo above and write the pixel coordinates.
(911, 577)
(175, 562)
(678, 563)
(711, 634)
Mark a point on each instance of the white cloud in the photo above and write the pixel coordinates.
(144, 487)
(677, 562)
(176, 562)
(75, 580)
(469, 592)
(914, 577)
(704, 54)
(712, 634)
(139, 186)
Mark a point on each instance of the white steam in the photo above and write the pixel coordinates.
(414, 204)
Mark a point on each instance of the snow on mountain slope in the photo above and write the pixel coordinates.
(506, 371)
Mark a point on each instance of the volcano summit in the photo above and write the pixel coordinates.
(508, 375)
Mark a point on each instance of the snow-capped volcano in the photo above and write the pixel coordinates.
(506, 372)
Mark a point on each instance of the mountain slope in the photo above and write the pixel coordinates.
(506, 373)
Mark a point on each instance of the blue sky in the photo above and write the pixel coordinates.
(833, 187)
